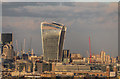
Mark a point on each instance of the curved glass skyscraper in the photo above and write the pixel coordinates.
(52, 40)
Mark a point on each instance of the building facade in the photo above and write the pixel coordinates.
(7, 38)
(102, 55)
(52, 40)
(66, 56)
(8, 51)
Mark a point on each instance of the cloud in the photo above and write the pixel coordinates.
(47, 9)
(20, 23)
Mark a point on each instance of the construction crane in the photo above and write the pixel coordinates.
(24, 47)
(17, 47)
(29, 50)
(90, 48)
(21, 48)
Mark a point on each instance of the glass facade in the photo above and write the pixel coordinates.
(52, 40)
(6, 38)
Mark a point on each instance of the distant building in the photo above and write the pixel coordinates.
(118, 59)
(102, 55)
(66, 53)
(66, 56)
(25, 56)
(8, 51)
(107, 70)
(35, 58)
(71, 68)
(52, 40)
(39, 66)
(23, 65)
(43, 66)
(7, 38)
(113, 60)
(108, 59)
(77, 59)
(75, 56)
(98, 58)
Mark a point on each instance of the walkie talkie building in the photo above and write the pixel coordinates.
(52, 40)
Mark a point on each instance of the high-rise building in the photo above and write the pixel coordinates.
(6, 38)
(108, 59)
(66, 53)
(113, 60)
(8, 52)
(102, 55)
(52, 40)
(66, 56)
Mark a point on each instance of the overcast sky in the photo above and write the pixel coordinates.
(97, 20)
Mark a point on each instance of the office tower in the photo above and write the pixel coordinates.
(6, 38)
(7, 47)
(66, 53)
(8, 52)
(108, 59)
(52, 40)
(66, 56)
(102, 55)
(113, 60)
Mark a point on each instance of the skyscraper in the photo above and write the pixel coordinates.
(6, 38)
(8, 51)
(102, 55)
(52, 40)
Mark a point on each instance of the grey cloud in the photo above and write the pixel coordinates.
(37, 9)
(85, 11)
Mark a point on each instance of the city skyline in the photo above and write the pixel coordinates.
(81, 20)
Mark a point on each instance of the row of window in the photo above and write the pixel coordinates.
(51, 26)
